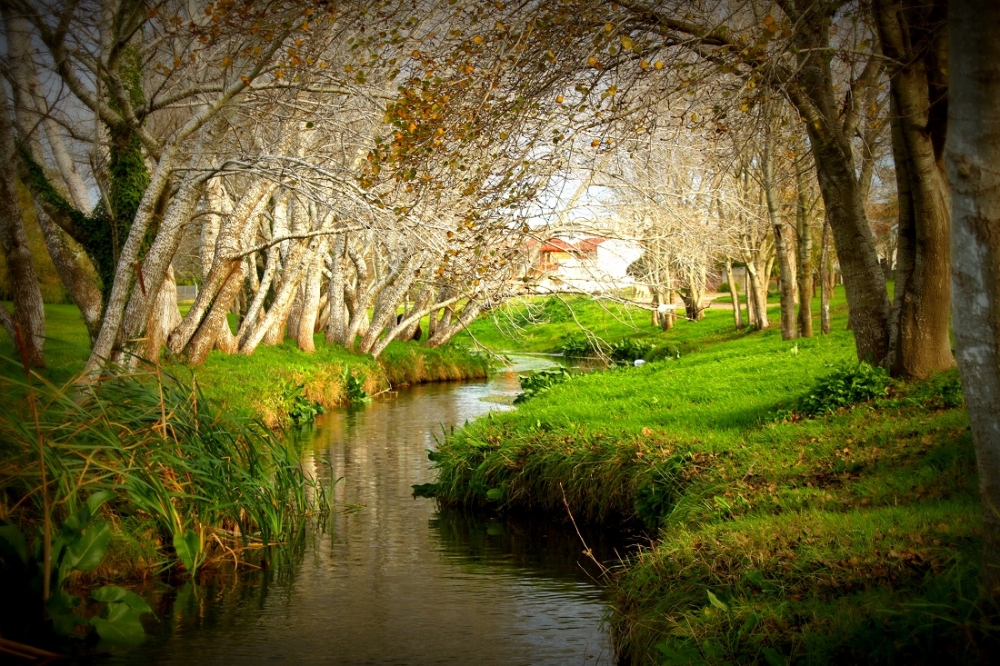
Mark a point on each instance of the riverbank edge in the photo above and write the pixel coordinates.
(276, 381)
(788, 539)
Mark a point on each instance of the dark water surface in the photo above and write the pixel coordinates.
(394, 580)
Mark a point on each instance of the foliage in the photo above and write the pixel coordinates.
(538, 382)
(199, 475)
(846, 386)
(303, 409)
(354, 388)
(79, 544)
(854, 535)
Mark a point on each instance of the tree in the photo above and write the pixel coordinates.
(912, 35)
(972, 154)
(27, 326)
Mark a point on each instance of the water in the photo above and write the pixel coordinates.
(395, 580)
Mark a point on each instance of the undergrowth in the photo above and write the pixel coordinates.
(851, 536)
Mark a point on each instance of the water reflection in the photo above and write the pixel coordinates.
(392, 580)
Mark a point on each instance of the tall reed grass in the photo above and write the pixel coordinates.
(211, 483)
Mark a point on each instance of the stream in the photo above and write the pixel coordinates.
(389, 579)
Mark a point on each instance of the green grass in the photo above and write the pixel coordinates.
(544, 324)
(850, 537)
(266, 384)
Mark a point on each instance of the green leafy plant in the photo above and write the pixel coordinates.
(538, 382)
(80, 543)
(303, 409)
(847, 385)
(354, 387)
(627, 350)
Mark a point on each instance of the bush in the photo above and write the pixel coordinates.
(847, 385)
(539, 382)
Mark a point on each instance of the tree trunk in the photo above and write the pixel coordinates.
(825, 280)
(912, 36)
(788, 327)
(804, 273)
(29, 311)
(811, 91)
(163, 318)
(734, 294)
(336, 326)
(80, 283)
(973, 153)
(310, 299)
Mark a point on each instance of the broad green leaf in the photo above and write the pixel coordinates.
(494, 494)
(125, 629)
(96, 500)
(714, 600)
(188, 547)
(12, 542)
(60, 607)
(86, 552)
(114, 594)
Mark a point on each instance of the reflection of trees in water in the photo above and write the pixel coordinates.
(543, 545)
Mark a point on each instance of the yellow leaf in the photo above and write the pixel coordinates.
(595, 143)
(627, 43)
(592, 61)
(559, 99)
(644, 64)
(477, 40)
(658, 64)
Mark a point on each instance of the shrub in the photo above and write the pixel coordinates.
(845, 386)
(539, 382)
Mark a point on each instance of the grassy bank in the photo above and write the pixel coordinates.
(274, 383)
(853, 536)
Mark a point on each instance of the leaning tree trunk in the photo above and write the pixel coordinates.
(912, 36)
(804, 274)
(29, 310)
(781, 247)
(973, 153)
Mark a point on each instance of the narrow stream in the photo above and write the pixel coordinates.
(394, 580)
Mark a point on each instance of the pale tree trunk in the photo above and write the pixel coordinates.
(310, 300)
(758, 271)
(163, 317)
(446, 332)
(734, 294)
(29, 311)
(423, 300)
(825, 280)
(694, 293)
(804, 273)
(263, 287)
(973, 153)
(336, 325)
(153, 271)
(227, 271)
(364, 293)
(298, 257)
(412, 319)
(390, 296)
(912, 36)
(781, 247)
